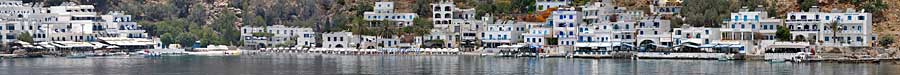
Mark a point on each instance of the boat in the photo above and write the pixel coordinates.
(215, 50)
(777, 61)
(77, 56)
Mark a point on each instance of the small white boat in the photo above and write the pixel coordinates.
(216, 53)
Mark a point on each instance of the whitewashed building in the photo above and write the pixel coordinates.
(854, 27)
(281, 34)
(654, 31)
(546, 4)
(501, 32)
(66, 22)
(384, 12)
(306, 38)
(337, 40)
(566, 22)
(665, 7)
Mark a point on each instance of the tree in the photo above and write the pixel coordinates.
(875, 7)
(226, 27)
(783, 34)
(197, 14)
(422, 7)
(577, 2)
(25, 36)
(422, 26)
(254, 20)
(485, 7)
(751, 4)
(835, 28)
(527, 6)
(186, 39)
(707, 13)
(806, 4)
(886, 41)
(168, 38)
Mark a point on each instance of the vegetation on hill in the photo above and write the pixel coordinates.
(193, 20)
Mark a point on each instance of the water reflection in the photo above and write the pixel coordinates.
(292, 64)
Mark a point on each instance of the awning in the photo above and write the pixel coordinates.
(692, 46)
(736, 46)
(593, 44)
(707, 46)
(722, 46)
(658, 45)
(629, 45)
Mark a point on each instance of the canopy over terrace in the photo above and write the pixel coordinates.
(72, 45)
(600, 46)
(26, 45)
(128, 43)
(510, 48)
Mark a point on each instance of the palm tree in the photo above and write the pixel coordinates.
(835, 28)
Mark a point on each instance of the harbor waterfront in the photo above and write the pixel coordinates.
(328, 64)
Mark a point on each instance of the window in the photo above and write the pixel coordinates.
(859, 39)
(816, 17)
(678, 32)
(849, 18)
(437, 8)
(736, 18)
(861, 17)
(447, 8)
(437, 15)
(756, 17)
(753, 26)
(827, 38)
(745, 17)
(706, 31)
(733, 26)
(743, 26)
(793, 17)
(827, 17)
(656, 24)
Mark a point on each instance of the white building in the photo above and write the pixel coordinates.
(597, 12)
(566, 22)
(337, 40)
(384, 11)
(306, 38)
(67, 22)
(281, 34)
(546, 4)
(501, 33)
(666, 7)
(854, 27)
(450, 22)
(746, 24)
(654, 31)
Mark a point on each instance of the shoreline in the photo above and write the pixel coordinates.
(639, 57)
(624, 55)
